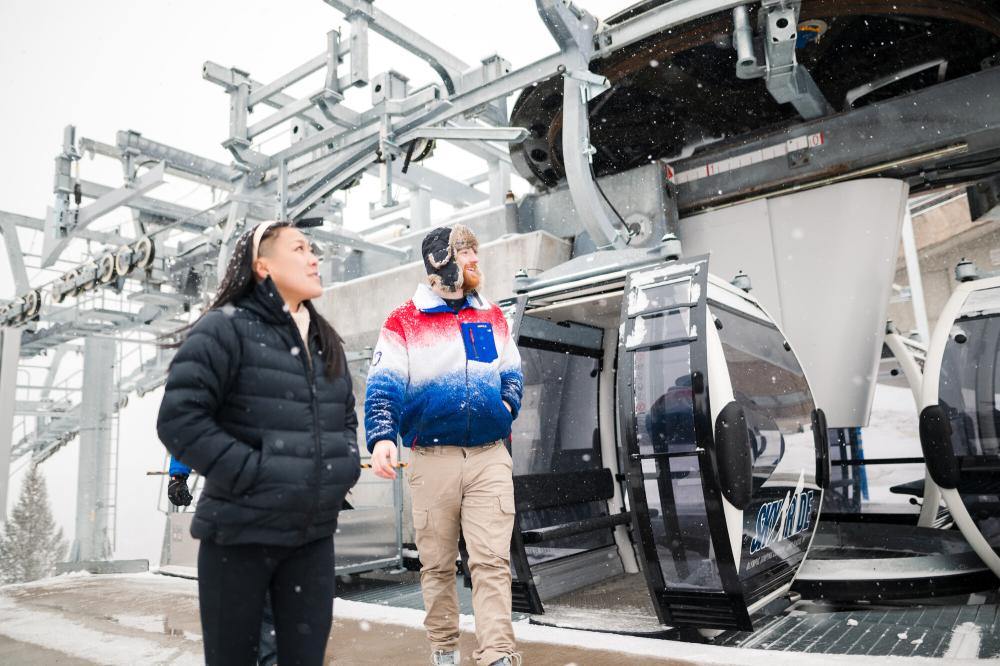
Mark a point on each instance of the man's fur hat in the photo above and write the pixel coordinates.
(439, 249)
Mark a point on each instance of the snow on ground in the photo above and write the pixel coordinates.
(54, 631)
(66, 613)
(892, 432)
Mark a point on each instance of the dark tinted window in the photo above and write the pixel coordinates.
(769, 384)
(664, 421)
(969, 385)
(557, 428)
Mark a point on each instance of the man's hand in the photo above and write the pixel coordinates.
(177, 490)
(384, 459)
(509, 409)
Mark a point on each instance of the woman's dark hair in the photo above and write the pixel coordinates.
(239, 281)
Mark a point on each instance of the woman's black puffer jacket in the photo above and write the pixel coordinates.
(274, 438)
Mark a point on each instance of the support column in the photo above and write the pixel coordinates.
(420, 208)
(94, 492)
(916, 281)
(10, 352)
(499, 181)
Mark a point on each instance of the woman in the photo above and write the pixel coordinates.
(260, 403)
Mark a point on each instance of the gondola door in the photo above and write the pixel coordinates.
(724, 498)
(524, 592)
(666, 448)
(564, 530)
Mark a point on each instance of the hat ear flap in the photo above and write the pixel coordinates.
(451, 276)
(439, 263)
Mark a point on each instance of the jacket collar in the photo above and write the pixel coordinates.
(428, 302)
(266, 303)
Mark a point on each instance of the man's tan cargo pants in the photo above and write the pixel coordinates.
(471, 488)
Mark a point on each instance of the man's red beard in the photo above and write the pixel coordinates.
(471, 278)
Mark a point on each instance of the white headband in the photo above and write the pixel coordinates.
(258, 232)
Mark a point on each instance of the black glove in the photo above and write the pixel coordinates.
(177, 490)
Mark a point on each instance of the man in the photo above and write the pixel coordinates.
(446, 378)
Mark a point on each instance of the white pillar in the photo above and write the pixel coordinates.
(916, 282)
(420, 208)
(499, 181)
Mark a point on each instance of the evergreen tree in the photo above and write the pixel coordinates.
(31, 544)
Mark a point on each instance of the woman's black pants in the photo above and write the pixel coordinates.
(232, 584)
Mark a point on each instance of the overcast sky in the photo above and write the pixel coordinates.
(110, 65)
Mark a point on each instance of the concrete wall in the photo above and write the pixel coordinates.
(358, 308)
(489, 224)
(943, 237)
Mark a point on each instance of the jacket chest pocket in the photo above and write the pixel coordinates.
(479, 342)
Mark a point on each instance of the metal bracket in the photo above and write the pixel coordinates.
(787, 80)
(245, 156)
(388, 151)
(55, 242)
(573, 29)
(364, 16)
(591, 84)
(493, 68)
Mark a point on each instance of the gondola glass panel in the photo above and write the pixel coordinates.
(557, 429)
(664, 418)
(668, 294)
(662, 397)
(969, 394)
(969, 384)
(665, 326)
(770, 386)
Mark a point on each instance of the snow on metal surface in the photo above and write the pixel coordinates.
(965, 641)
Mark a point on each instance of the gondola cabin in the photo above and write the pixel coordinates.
(666, 423)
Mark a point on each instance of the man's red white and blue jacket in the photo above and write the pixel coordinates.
(441, 377)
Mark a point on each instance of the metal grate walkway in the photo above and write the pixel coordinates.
(932, 631)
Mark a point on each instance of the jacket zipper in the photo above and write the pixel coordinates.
(317, 448)
(317, 452)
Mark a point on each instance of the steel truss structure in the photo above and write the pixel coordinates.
(109, 292)
(136, 283)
